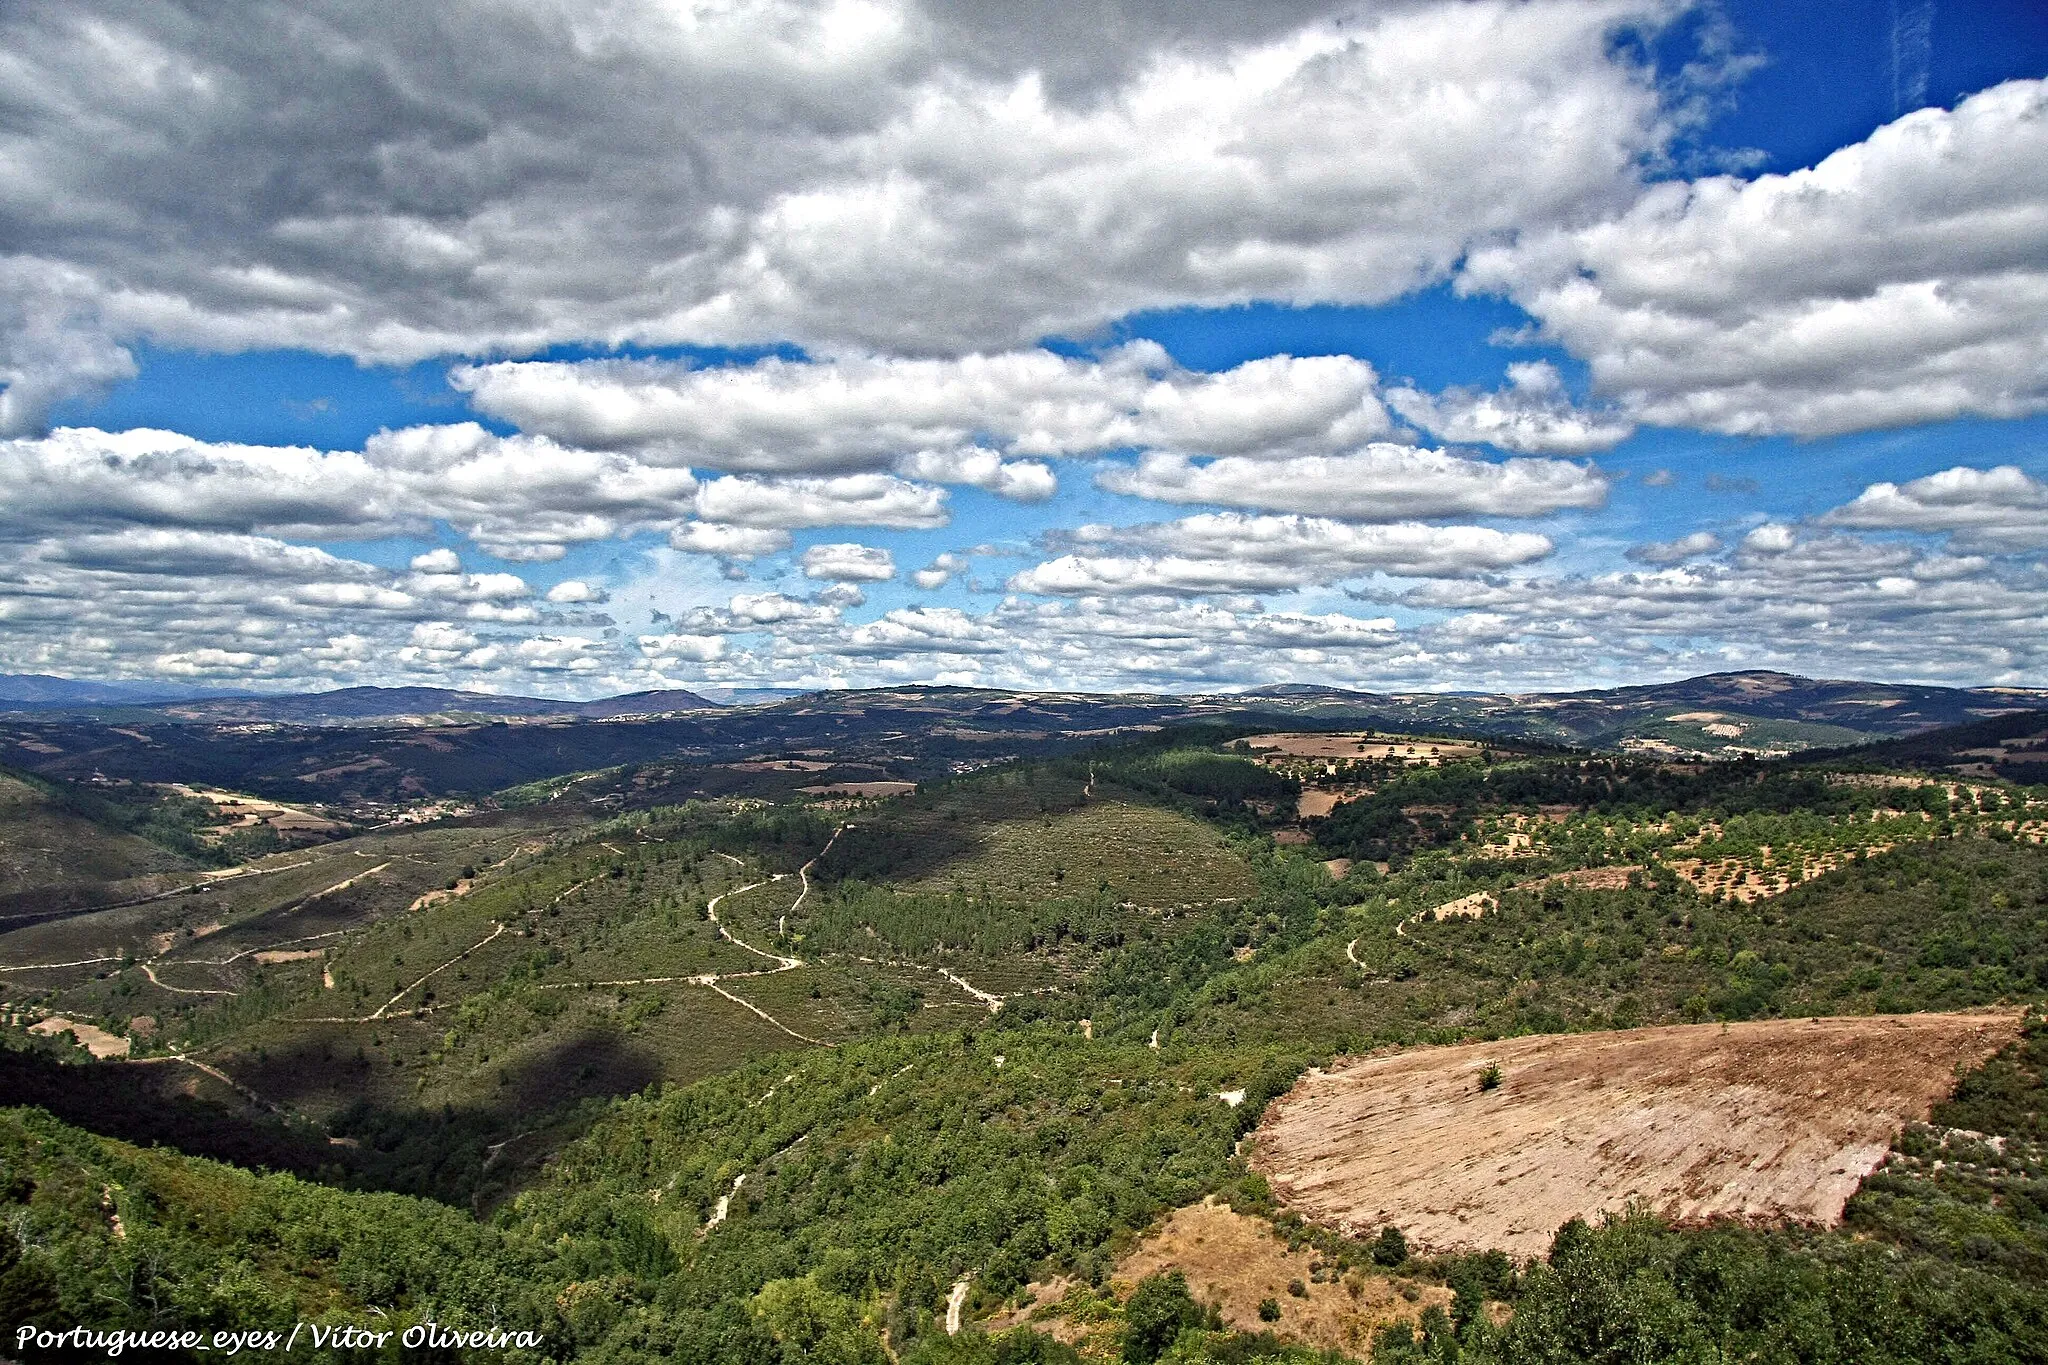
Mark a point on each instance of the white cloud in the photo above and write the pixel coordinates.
(940, 571)
(842, 175)
(667, 650)
(849, 563)
(1899, 280)
(1675, 551)
(559, 653)
(442, 636)
(1017, 480)
(1532, 415)
(964, 420)
(1828, 605)
(730, 542)
(2000, 509)
(518, 497)
(437, 561)
(848, 500)
(1772, 538)
(1382, 482)
(575, 590)
(926, 630)
(751, 610)
(85, 476)
(1232, 553)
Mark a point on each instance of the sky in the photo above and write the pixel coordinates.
(581, 348)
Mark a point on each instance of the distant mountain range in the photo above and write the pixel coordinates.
(38, 691)
(345, 706)
(1720, 714)
(1758, 711)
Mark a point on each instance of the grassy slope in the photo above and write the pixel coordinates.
(43, 845)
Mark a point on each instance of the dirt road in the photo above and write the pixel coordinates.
(1772, 1119)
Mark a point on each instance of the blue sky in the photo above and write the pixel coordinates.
(1491, 345)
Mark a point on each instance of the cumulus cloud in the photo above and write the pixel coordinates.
(958, 420)
(730, 542)
(1675, 551)
(669, 650)
(2000, 509)
(926, 630)
(849, 563)
(1017, 480)
(1382, 482)
(527, 497)
(1823, 603)
(873, 175)
(940, 571)
(1899, 280)
(518, 497)
(559, 653)
(1232, 553)
(1532, 415)
(848, 500)
(575, 590)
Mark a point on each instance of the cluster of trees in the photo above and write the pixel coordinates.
(1431, 807)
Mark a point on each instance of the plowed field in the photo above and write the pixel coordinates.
(1777, 1119)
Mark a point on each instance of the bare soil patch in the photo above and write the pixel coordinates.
(1314, 803)
(861, 789)
(1771, 1120)
(1234, 1261)
(91, 1037)
(1356, 745)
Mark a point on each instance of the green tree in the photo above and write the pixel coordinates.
(1159, 1308)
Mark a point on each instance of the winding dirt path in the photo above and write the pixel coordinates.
(51, 966)
(149, 970)
(496, 931)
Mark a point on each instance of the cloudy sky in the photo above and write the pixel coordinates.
(583, 346)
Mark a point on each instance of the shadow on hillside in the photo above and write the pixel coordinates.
(470, 1156)
(165, 1104)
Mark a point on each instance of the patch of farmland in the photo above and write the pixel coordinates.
(1411, 749)
(1773, 1120)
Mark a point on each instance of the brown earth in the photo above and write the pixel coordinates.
(865, 789)
(1234, 1261)
(1771, 1120)
(1314, 803)
(91, 1037)
(1359, 746)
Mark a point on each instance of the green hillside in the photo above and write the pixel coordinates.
(782, 1078)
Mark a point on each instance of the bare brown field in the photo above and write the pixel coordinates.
(1358, 745)
(1233, 1261)
(1771, 1120)
(1314, 803)
(861, 789)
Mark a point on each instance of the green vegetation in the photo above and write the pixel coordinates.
(790, 1131)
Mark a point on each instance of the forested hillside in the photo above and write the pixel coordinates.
(918, 1077)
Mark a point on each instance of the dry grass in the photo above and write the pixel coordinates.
(1234, 1262)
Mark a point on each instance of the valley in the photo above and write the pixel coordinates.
(745, 1041)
